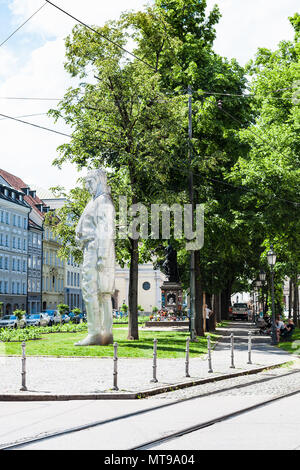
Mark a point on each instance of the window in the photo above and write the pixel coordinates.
(19, 221)
(19, 243)
(2, 216)
(24, 244)
(24, 266)
(14, 220)
(13, 264)
(1, 287)
(7, 241)
(5, 287)
(1, 262)
(18, 265)
(24, 288)
(6, 264)
(13, 287)
(1, 239)
(14, 242)
(68, 278)
(25, 224)
(18, 288)
(7, 218)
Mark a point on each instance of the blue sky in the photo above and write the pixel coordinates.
(31, 64)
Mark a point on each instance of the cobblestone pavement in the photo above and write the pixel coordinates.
(272, 382)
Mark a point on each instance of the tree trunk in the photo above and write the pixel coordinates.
(296, 301)
(133, 331)
(198, 297)
(217, 306)
(290, 297)
(225, 301)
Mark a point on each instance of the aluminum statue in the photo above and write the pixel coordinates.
(95, 236)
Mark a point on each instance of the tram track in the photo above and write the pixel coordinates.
(150, 444)
(39, 438)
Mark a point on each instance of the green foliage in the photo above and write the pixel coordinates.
(16, 335)
(124, 308)
(76, 311)
(63, 308)
(19, 313)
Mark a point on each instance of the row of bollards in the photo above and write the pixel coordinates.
(154, 378)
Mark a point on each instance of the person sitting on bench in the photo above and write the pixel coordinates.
(288, 329)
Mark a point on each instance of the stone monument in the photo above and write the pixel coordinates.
(95, 236)
(171, 289)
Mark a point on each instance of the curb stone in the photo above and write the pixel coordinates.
(27, 396)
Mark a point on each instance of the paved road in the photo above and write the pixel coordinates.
(274, 427)
(24, 420)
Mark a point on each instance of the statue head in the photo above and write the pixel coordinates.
(96, 182)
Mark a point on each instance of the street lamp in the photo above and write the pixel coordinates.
(262, 275)
(271, 256)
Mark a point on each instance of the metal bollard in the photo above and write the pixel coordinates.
(232, 351)
(23, 388)
(154, 361)
(249, 347)
(209, 354)
(187, 358)
(115, 374)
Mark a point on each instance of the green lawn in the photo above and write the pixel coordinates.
(293, 346)
(170, 345)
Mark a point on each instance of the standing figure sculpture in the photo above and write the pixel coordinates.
(170, 266)
(95, 236)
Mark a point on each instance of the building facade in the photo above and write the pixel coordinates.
(72, 271)
(53, 272)
(14, 212)
(149, 287)
(35, 247)
(73, 295)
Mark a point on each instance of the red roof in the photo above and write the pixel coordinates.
(18, 184)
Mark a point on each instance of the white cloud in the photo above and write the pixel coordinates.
(29, 152)
(249, 24)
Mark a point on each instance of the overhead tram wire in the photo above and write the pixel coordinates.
(25, 115)
(21, 26)
(35, 125)
(102, 35)
(28, 98)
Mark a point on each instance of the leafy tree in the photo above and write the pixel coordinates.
(271, 169)
(63, 309)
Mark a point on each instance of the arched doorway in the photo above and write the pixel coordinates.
(44, 305)
(8, 309)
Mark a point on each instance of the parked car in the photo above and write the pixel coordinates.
(77, 318)
(11, 321)
(65, 318)
(55, 318)
(37, 319)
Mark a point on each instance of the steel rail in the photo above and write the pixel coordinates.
(25, 442)
(220, 419)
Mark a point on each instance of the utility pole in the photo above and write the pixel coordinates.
(191, 196)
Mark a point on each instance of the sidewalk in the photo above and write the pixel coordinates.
(91, 378)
